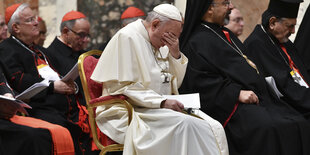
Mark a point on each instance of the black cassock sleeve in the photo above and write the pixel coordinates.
(271, 63)
(218, 94)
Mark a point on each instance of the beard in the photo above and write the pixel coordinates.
(227, 14)
(226, 20)
(286, 39)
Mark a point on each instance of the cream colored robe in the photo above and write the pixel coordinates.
(130, 66)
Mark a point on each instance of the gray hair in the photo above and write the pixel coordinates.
(154, 15)
(16, 16)
(129, 20)
(69, 24)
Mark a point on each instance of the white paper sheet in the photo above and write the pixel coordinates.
(188, 100)
(33, 90)
(72, 74)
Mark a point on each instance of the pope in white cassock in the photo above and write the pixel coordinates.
(143, 62)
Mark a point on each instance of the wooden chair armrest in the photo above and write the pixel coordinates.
(112, 100)
(119, 99)
(106, 100)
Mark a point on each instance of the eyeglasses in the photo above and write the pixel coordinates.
(225, 3)
(81, 35)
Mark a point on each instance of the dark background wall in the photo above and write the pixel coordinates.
(104, 16)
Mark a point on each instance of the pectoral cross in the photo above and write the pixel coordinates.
(166, 77)
(251, 63)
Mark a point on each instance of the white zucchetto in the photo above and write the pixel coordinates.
(168, 11)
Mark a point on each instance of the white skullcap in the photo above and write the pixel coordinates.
(168, 11)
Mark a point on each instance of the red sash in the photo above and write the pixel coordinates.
(237, 104)
(291, 63)
(62, 141)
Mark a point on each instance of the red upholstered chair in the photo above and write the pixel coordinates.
(92, 91)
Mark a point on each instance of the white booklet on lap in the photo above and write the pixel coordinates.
(72, 74)
(20, 105)
(33, 90)
(271, 82)
(188, 100)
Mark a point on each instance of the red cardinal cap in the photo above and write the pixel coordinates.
(9, 12)
(73, 15)
(132, 12)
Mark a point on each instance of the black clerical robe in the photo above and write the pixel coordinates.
(63, 58)
(272, 61)
(3, 84)
(21, 70)
(20, 67)
(218, 73)
(302, 40)
(19, 139)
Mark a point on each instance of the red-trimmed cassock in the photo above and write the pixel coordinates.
(21, 67)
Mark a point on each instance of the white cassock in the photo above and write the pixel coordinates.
(130, 66)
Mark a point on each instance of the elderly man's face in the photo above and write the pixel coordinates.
(42, 34)
(221, 9)
(78, 36)
(235, 22)
(158, 30)
(283, 28)
(27, 26)
(3, 29)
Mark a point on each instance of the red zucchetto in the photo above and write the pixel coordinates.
(73, 15)
(9, 12)
(132, 12)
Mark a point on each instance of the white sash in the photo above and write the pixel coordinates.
(47, 72)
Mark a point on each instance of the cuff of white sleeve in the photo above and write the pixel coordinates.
(181, 60)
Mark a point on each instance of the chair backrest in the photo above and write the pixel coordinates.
(88, 63)
(94, 88)
(92, 91)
